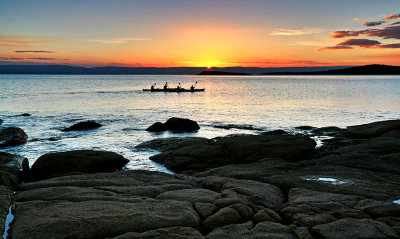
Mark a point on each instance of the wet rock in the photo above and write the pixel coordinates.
(25, 115)
(1, 121)
(355, 228)
(373, 129)
(329, 130)
(5, 202)
(236, 149)
(172, 143)
(180, 124)
(301, 232)
(307, 220)
(191, 195)
(205, 209)
(86, 125)
(84, 161)
(305, 127)
(275, 132)
(175, 124)
(170, 233)
(12, 136)
(157, 127)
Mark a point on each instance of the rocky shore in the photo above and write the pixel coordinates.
(272, 185)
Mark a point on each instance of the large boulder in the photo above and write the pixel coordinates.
(84, 161)
(372, 130)
(176, 125)
(85, 125)
(236, 149)
(12, 136)
(1, 121)
(164, 144)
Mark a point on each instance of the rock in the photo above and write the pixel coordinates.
(372, 130)
(223, 217)
(1, 121)
(164, 233)
(26, 171)
(175, 124)
(25, 115)
(5, 202)
(305, 127)
(12, 160)
(84, 161)
(236, 149)
(301, 232)
(85, 125)
(157, 127)
(378, 208)
(180, 124)
(307, 220)
(205, 209)
(98, 219)
(275, 132)
(172, 143)
(356, 229)
(245, 230)
(329, 130)
(190, 195)
(12, 136)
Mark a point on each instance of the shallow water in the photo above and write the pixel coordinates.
(235, 104)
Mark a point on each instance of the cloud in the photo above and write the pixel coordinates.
(393, 16)
(356, 19)
(41, 58)
(372, 24)
(21, 41)
(294, 32)
(35, 51)
(337, 47)
(394, 23)
(120, 40)
(395, 45)
(281, 62)
(10, 58)
(366, 43)
(389, 32)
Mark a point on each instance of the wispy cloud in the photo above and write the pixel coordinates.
(389, 32)
(11, 58)
(34, 51)
(295, 32)
(366, 43)
(21, 41)
(337, 47)
(120, 40)
(372, 24)
(394, 23)
(393, 16)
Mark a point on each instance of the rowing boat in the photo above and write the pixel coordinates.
(174, 90)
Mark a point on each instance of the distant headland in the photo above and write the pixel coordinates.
(14, 68)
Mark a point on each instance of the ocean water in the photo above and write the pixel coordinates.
(230, 104)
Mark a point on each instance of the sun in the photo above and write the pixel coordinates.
(208, 67)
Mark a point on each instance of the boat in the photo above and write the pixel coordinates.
(173, 90)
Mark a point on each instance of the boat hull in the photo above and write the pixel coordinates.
(174, 90)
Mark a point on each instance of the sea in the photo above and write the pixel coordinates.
(229, 105)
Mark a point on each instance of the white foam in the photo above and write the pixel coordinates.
(333, 181)
(9, 219)
(397, 201)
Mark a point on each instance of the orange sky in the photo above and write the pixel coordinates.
(258, 35)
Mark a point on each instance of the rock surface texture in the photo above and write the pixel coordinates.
(258, 186)
(12, 136)
(86, 125)
(175, 125)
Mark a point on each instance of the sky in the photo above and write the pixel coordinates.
(201, 33)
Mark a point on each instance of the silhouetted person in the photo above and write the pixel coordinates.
(166, 86)
(152, 86)
(192, 88)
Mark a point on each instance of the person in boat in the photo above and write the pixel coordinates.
(166, 86)
(192, 87)
(179, 87)
(152, 86)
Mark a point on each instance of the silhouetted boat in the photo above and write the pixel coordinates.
(174, 90)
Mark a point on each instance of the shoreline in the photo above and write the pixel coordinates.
(234, 186)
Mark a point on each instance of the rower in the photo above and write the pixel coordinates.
(152, 86)
(192, 88)
(166, 86)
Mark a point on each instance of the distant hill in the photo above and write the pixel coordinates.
(221, 73)
(31, 68)
(356, 70)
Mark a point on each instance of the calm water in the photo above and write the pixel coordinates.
(118, 102)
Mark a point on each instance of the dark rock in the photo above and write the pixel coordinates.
(157, 127)
(86, 125)
(305, 127)
(205, 209)
(164, 233)
(236, 149)
(12, 136)
(355, 228)
(223, 217)
(275, 132)
(373, 129)
(175, 124)
(5, 202)
(180, 124)
(25, 115)
(329, 130)
(26, 171)
(1, 121)
(172, 143)
(85, 161)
